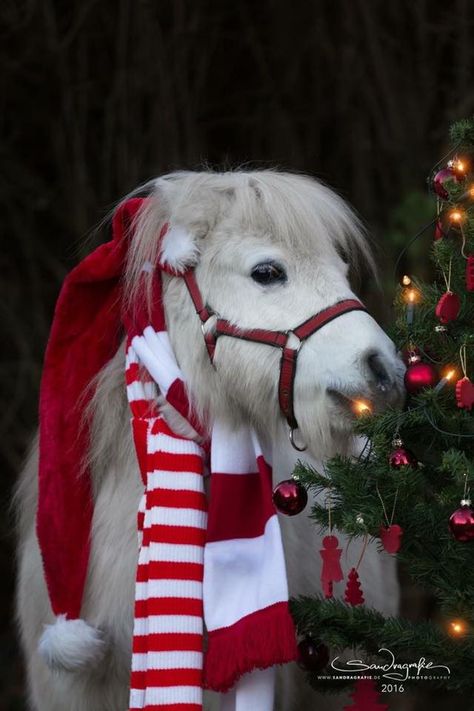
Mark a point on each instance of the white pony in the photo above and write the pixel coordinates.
(274, 248)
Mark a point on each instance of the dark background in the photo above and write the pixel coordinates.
(98, 96)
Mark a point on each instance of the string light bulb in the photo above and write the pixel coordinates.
(406, 280)
(458, 166)
(456, 216)
(457, 628)
(411, 297)
(362, 407)
(447, 377)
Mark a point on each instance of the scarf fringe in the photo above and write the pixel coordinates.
(257, 641)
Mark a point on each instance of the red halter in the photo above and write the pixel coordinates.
(278, 339)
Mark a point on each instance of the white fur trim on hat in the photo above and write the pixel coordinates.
(179, 249)
(71, 645)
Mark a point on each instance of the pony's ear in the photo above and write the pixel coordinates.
(192, 210)
(179, 248)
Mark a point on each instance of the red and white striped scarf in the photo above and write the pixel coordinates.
(226, 565)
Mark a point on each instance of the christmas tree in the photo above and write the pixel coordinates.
(410, 486)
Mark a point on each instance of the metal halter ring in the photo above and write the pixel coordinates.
(291, 436)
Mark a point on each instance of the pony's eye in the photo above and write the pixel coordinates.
(268, 273)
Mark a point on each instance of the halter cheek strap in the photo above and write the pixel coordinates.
(278, 339)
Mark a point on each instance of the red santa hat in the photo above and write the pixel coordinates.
(85, 334)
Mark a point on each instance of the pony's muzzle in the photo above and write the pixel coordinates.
(383, 379)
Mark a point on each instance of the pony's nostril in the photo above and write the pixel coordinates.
(377, 371)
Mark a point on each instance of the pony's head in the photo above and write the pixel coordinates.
(270, 250)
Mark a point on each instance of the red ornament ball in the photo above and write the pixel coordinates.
(461, 523)
(290, 497)
(401, 457)
(313, 655)
(419, 376)
(441, 178)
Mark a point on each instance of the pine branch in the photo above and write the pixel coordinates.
(341, 627)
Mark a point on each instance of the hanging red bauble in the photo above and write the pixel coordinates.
(353, 594)
(313, 655)
(465, 393)
(365, 697)
(447, 308)
(441, 178)
(419, 376)
(402, 457)
(461, 522)
(331, 571)
(391, 537)
(290, 497)
(470, 273)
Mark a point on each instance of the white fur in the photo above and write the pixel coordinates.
(236, 220)
(179, 249)
(71, 645)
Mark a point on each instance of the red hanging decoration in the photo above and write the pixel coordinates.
(439, 232)
(391, 537)
(419, 376)
(365, 697)
(447, 308)
(470, 272)
(331, 571)
(461, 522)
(353, 594)
(465, 393)
(440, 179)
(402, 457)
(290, 497)
(313, 655)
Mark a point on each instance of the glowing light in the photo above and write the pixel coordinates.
(447, 377)
(471, 191)
(362, 407)
(457, 628)
(456, 216)
(458, 165)
(411, 296)
(406, 281)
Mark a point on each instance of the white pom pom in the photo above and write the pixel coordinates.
(179, 249)
(71, 645)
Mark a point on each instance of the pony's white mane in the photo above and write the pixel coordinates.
(298, 211)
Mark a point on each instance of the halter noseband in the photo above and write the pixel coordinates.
(277, 339)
